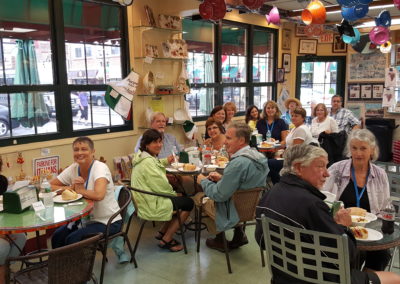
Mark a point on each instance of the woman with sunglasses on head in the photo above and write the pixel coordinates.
(215, 131)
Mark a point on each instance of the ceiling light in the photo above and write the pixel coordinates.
(373, 24)
(17, 30)
(234, 28)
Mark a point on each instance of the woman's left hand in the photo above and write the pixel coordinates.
(171, 159)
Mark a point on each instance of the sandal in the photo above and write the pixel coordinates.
(170, 245)
(159, 236)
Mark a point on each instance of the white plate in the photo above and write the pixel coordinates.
(370, 217)
(197, 169)
(41, 194)
(373, 235)
(172, 170)
(58, 199)
(261, 147)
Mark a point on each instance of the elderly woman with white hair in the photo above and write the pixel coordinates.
(303, 176)
(359, 183)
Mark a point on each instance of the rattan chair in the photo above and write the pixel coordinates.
(323, 258)
(144, 221)
(72, 264)
(124, 198)
(245, 203)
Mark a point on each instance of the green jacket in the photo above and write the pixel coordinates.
(149, 174)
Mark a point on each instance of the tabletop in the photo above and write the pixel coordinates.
(388, 241)
(51, 217)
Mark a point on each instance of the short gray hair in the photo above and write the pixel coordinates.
(363, 135)
(155, 114)
(303, 154)
(242, 130)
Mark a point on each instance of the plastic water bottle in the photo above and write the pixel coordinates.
(269, 135)
(47, 194)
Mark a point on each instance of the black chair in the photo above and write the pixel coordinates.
(144, 221)
(72, 264)
(124, 198)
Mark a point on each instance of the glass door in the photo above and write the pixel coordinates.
(318, 79)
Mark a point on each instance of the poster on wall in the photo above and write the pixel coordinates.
(366, 67)
(366, 91)
(390, 77)
(355, 109)
(389, 98)
(48, 165)
(354, 91)
(373, 110)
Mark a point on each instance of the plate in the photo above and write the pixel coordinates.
(197, 169)
(261, 147)
(171, 170)
(373, 235)
(41, 194)
(58, 199)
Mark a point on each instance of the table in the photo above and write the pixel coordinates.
(53, 217)
(176, 172)
(388, 241)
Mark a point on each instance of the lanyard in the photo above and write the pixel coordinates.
(358, 195)
(272, 127)
(87, 180)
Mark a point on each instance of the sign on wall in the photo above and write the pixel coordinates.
(326, 37)
(48, 165)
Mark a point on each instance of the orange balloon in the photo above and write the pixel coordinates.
(315, 13)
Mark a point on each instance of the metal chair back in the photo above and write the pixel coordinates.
(311, 256)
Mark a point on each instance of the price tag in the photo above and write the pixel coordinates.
(148, 59)
(38, 206)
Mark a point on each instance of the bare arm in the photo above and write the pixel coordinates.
(298, 141)
(56, 184)
(284, 134)
(97, 194)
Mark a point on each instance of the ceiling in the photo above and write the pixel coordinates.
(291, 9)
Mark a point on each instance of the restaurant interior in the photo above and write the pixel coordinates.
(100, 68)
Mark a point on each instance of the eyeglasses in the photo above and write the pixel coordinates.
(212, 128)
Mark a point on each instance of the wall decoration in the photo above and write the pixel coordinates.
(377, 91)
(397, 53)
(300, 30)
(366, 91)
(389, 98)
(326, 37)
(286, 39)
(286, 62)
(366, 67)
(308, 46)
(151, 50)
(280, 75)
(355, 109)
(150, 16)
(373, 110)
(169, 22)
(354, 92)
(390, 77)
(338, 45)
(175, 48)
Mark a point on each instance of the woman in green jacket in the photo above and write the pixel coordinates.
(149, 174)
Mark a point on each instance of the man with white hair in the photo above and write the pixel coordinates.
(158, 122)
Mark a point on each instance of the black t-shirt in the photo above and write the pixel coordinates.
(279, 126)
(349, 197)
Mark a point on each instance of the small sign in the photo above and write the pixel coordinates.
(49, 165)
(326, 38)
(148, 60)
(38, 206)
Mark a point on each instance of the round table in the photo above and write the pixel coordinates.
(388, 241)
(52, 217)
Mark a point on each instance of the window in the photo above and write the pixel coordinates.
(54, 70)
(236, 46)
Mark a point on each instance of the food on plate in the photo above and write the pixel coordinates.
(359, 232)
(266, 145)
(189, 167)
(356, 211)
(222, 159)
(69, 195)
(359, 219)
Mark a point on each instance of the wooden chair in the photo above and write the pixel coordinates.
(144, 221)
(72, 264)
(245, 203)
(124, 198)
(322, 259)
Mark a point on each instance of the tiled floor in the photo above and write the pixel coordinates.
(156, 265)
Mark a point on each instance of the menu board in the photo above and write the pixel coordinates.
(366, 67)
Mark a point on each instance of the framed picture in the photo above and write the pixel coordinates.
(280, 75)
(397, 54)
(286, 39)
(286, 62)
(300, 30)
(338, 45)
(377, 91)
(366, 91)
(308, 46)
(354, 92)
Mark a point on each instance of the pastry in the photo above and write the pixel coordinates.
(189, 167)
(69, 195)
(356, 211)
(359, 232)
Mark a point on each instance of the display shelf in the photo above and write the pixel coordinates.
(160, 58)
(159, 95)
(149, 28)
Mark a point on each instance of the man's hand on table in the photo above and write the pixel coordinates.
(343, 217)
(213, 176)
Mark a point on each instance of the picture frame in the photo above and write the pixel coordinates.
(286, 39)
(286, 62)
(366, 92)
(338, 45)
(377, 91)
(300, 30)
(354, 92)
(280, 75)
(397, 55)
(308, 46)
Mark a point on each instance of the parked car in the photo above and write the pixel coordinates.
(51, 106)
(98, 98)
(5, 121)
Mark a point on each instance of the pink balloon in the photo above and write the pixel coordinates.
(273, 17)
(397, 3)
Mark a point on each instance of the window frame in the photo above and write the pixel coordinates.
(60, 86)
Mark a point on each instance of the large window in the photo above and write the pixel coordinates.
(56, 58)
(229, 62)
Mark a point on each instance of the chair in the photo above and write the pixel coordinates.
(144, 221)
(72, 264)
(322, 259)
(124, 198)
(245, 203)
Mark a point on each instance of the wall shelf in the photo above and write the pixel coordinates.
(160, 58)
(150, 28)
(159, 95)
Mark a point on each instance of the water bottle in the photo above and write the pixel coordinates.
(269, 135)
(46, 193)
(223, 152)
(388, 215)
(206, 156)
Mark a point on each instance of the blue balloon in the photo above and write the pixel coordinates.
(355, 12)
(384, 19)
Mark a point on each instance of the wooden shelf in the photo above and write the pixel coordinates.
(159, 95)
(149, 28)
(160, 58)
